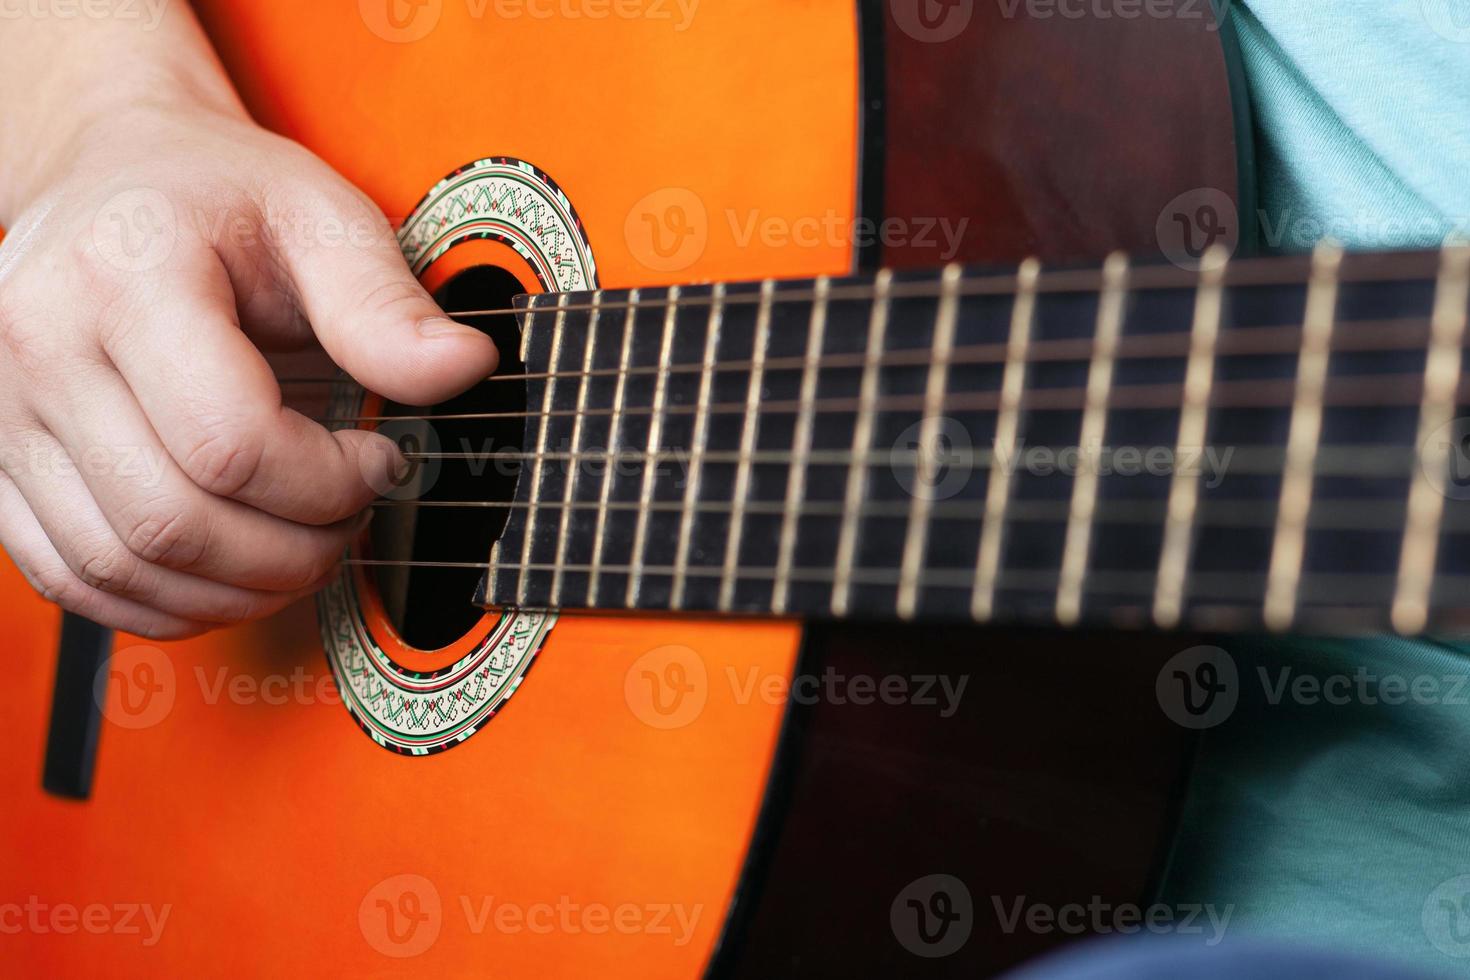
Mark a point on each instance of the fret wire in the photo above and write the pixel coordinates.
(1083, 505)
(1007, 424)
(916, 537)
(1288, 547)
(747, 444)
(1199, 376)
(801, 445)
(527, 545)
(1427, 495)
(862, 439)
(697, 449)
(614, 436)
(656, 419)
(574, 472)
(655, 436)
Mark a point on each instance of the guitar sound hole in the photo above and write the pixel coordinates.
(432, 607)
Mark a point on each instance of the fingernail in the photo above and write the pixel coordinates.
(363, 520)
(402, 470)
(438, 326)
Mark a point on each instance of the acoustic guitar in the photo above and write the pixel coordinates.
(806, 593)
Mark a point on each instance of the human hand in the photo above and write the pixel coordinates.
(150, 477)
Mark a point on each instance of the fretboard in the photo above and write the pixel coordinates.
(1262, 443)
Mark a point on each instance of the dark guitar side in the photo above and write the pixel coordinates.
(1057, 777)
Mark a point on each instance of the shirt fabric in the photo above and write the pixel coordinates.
(1335, 811)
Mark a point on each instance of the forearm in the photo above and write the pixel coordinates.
(61, 75)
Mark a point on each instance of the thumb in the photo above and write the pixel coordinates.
(379, 324)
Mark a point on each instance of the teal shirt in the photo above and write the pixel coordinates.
(1335, 810)
(1362, 112)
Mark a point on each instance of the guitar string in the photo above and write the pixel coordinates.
(929, 577)
(1350, 462)
(1357, 515)
(1402, 333)
(1374, 267)
(1366, 513)
(1361, 458)
(1120, 581)
(1376, 390)
(1368, 390)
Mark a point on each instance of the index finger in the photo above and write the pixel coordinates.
(216, 406)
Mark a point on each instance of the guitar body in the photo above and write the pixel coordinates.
(652, 803)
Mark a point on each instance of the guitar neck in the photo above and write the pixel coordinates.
(1268, 442)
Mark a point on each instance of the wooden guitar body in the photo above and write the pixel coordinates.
(652, 802)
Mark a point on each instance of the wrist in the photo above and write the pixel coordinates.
(102, 119)
(84, 91)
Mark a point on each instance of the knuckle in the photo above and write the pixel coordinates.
(167, 538)
(27, 342)
(347, 216)
(91, 269)
(114, 570)
(395, 296)
(225, 460)
(55, 584)
(83, 258)
(315, 185)
(252, 608)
